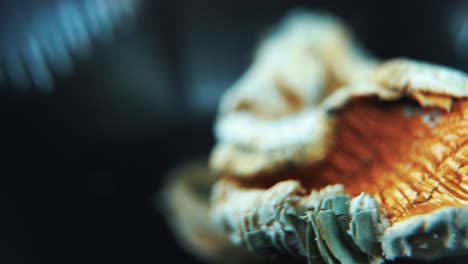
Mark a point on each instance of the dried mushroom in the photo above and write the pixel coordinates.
(393, 181)
(325, 155)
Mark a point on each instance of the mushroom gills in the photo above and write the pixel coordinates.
(412, 160)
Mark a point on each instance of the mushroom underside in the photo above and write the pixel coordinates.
(412, 160)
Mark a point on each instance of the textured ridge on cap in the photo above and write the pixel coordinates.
(246, 131)
(428, 84)
(441, 233)
(324, 225)
(412, 75)
(249, 145)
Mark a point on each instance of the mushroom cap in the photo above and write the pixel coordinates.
(306, 56)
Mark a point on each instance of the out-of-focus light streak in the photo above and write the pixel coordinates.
(460, 31)
(39, 40)
(461, 41)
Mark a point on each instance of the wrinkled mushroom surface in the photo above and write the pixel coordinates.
(393, 181)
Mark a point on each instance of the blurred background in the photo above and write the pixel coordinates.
(88, 131)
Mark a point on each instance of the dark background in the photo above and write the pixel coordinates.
(80, 166)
